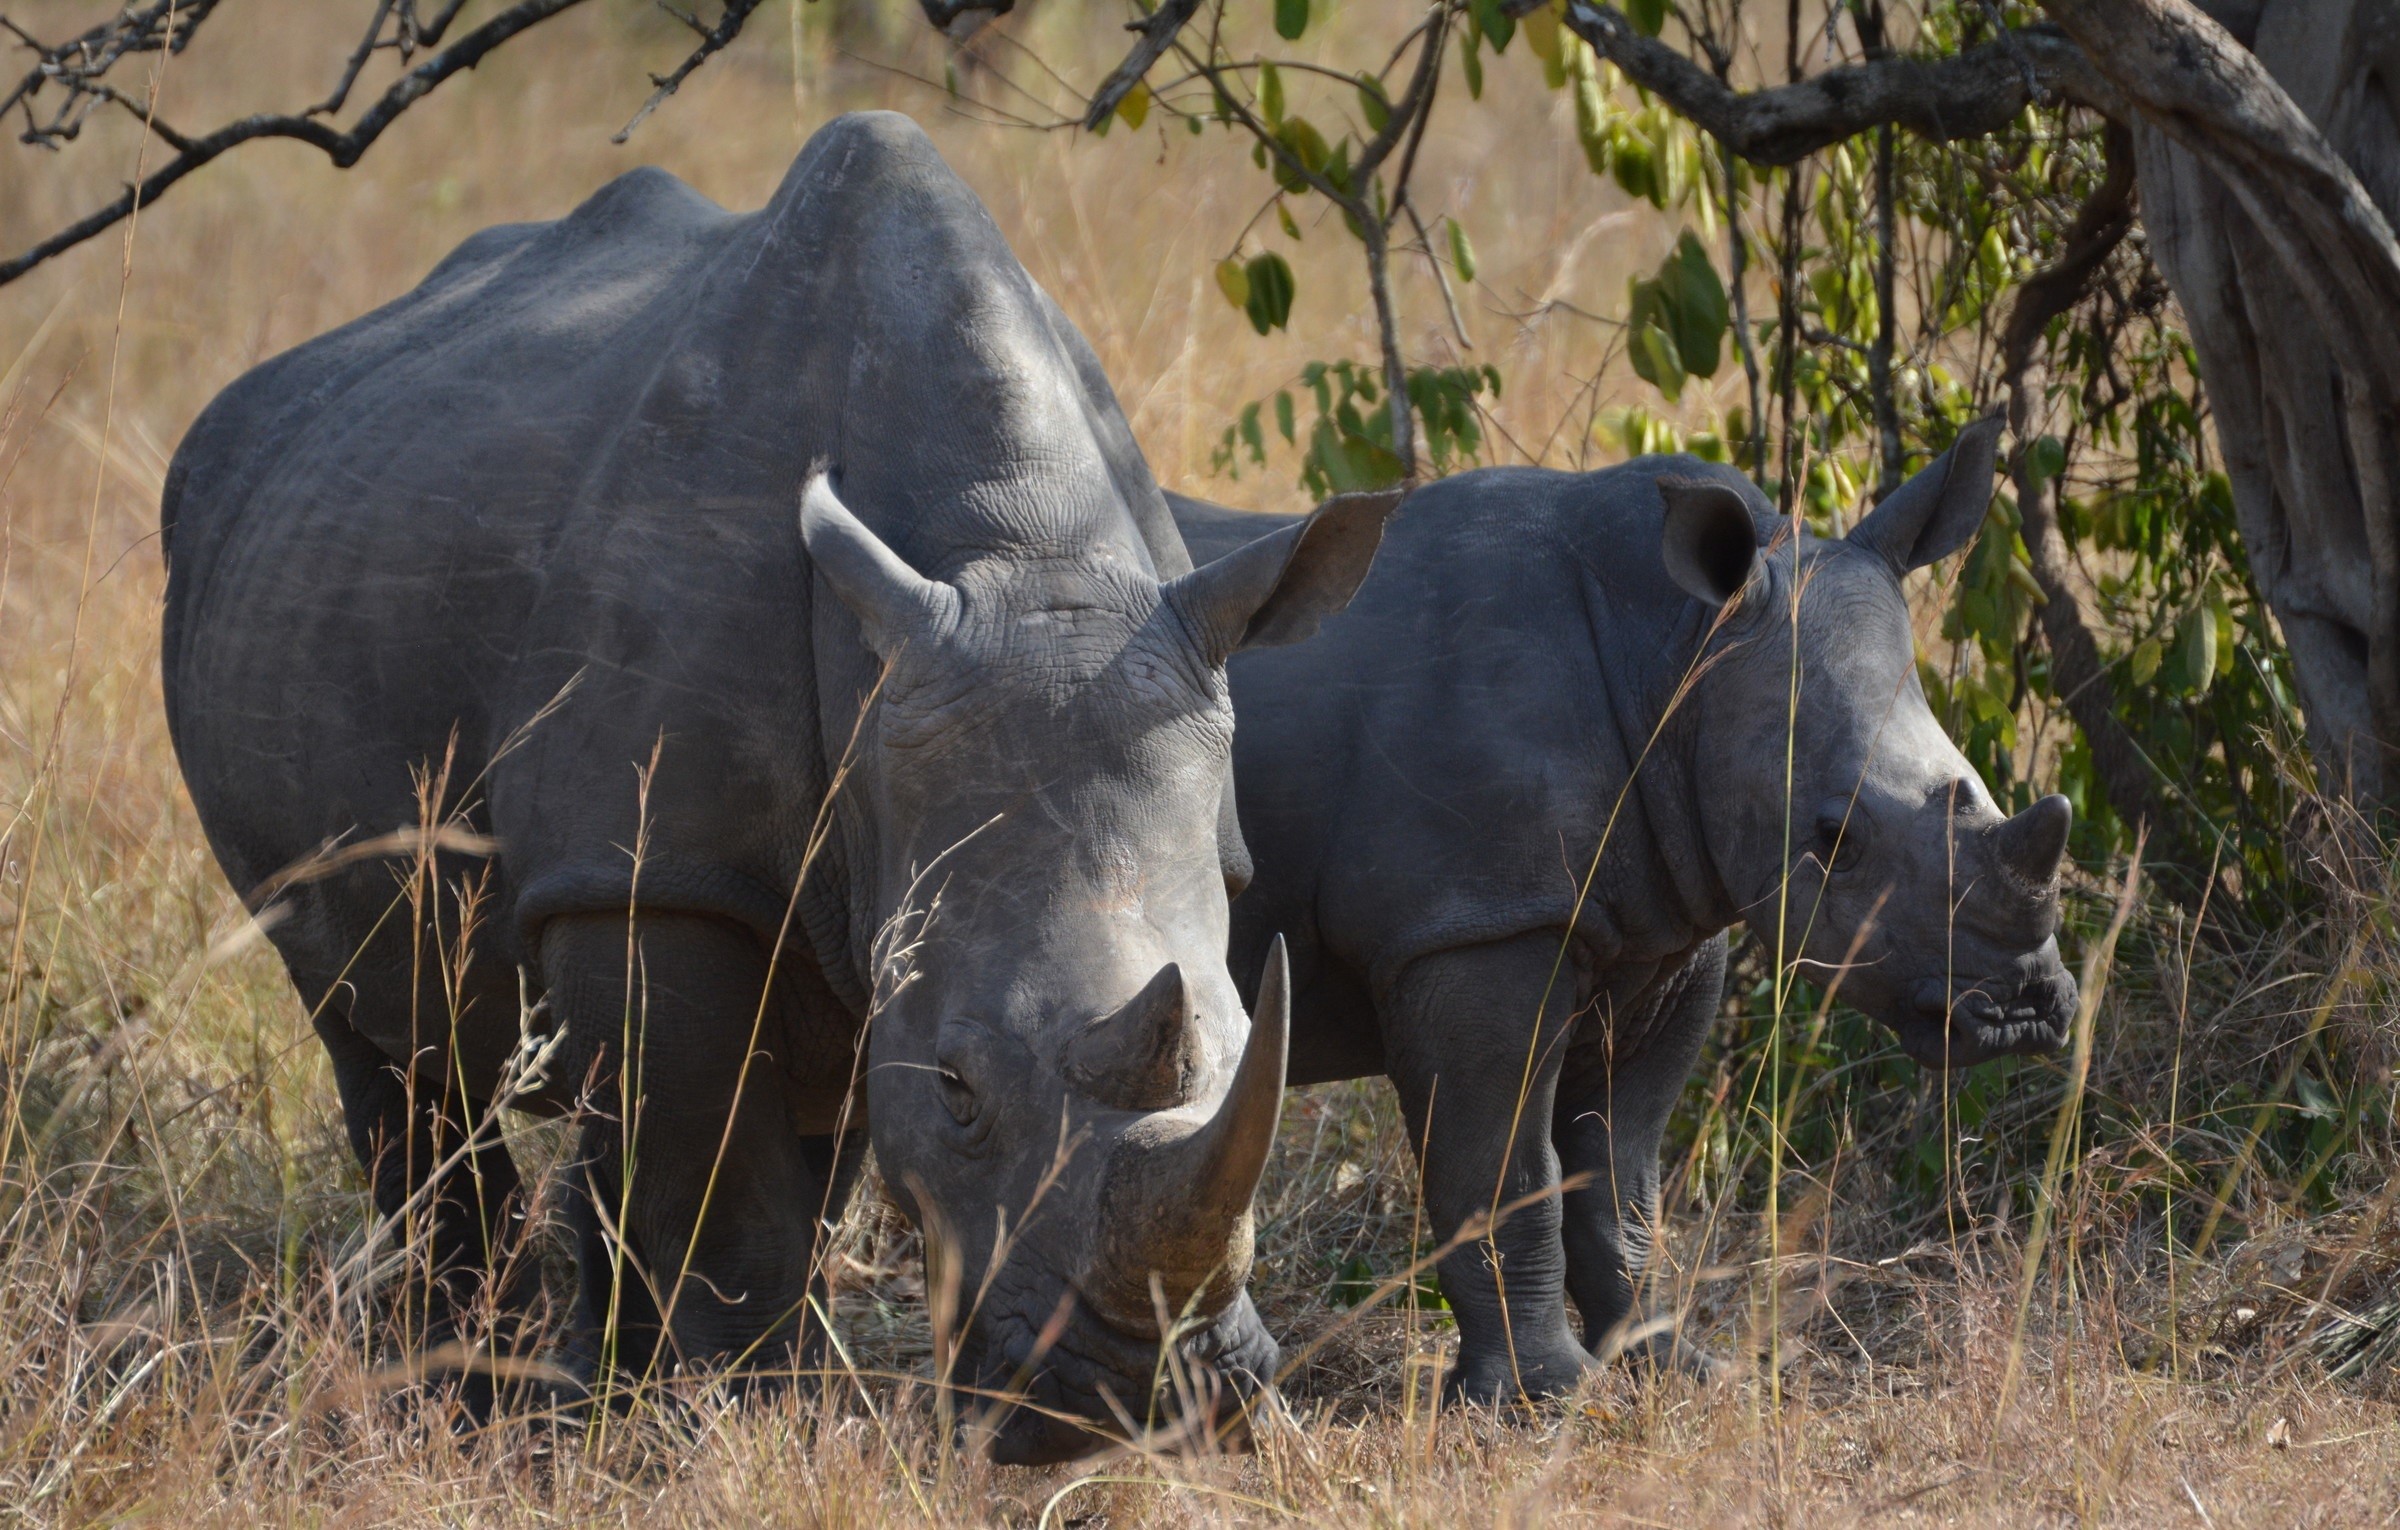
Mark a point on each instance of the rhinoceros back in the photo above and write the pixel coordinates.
(1482, 703)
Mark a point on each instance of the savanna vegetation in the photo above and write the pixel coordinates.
(1318, 246)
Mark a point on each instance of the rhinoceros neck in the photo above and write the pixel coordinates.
(1671, 885)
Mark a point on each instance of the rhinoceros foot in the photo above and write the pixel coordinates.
(1659, 1348)
(1489, 1380)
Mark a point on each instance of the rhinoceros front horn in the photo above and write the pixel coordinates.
(2032, 844)
(1177, 1200)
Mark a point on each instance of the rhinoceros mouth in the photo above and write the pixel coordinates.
(1959, 1024)
(1090, 1371)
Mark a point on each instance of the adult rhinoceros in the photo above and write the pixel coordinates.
(1549, 663)
(576, 463)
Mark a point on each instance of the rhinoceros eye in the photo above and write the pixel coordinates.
(958, 1098)
(962, 1060)
(1841, 834)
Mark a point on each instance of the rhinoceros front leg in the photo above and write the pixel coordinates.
(695, 1220)
(1613, 1104)
(1475, 1079)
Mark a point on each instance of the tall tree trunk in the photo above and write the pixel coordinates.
(2267, 136)
(2290, 283)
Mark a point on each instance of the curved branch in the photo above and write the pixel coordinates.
(1966, 96)
(200, 152)
(344, 147)
(2079, 673)
(1157, 36)
(2196, 83)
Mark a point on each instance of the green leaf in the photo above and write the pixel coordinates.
(1135, 108)
(1234, 282)
(2196, 638)
(1462, 253)
(1494, 22)
(1270, 94)
(1696, 306)
(1304, 143)
(1291, 19)
(2045, 459)
(1541, 35)
(2316, 1101)
(1470, 63)
(1372, 105)
(1992, 258)
(1351, 462)
(1283, 215)
(1575, 60)
(2142, 663)
(1647, 16)
(1283, 414)
(1635, 168)
(1337, 168)
(1270, 300)
(1591, 123)
(1655, 361)
(1354, 1282)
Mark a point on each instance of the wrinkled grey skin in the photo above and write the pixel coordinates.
(1423, 787)
(576, 462)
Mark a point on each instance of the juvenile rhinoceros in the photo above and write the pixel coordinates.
(545, 533)
(1549, 665)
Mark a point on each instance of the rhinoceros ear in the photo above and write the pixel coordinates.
(1708, 542)
(1939, 511)
(893, 602)
(1279, 588)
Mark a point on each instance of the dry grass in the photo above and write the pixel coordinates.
(176, 1201)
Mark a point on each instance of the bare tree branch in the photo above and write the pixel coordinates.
(714, 40)
(1967, 96)
(73, 73)
(75, 66)
(358, 61)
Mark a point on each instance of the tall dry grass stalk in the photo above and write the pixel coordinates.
(190, 1287)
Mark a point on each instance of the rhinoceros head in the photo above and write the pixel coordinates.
(1063, 1087)
(1839, 810)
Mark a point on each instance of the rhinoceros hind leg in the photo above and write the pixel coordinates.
(1464, 1054)
(1612, 1110)
(469, 1281)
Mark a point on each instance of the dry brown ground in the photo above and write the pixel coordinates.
(174, 1184)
